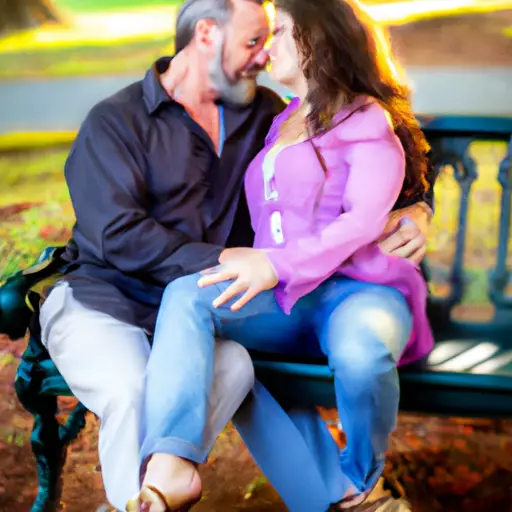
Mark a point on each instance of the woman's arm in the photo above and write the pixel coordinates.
(374, 155)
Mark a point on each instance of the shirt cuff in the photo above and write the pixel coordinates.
(281, 269)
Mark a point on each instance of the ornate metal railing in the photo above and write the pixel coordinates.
(453, 141)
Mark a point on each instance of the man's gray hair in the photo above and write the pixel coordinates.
(192, 11)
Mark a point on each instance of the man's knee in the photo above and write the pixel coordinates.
(234, 365)
(102, 359)
(123, 398)
(51, 310)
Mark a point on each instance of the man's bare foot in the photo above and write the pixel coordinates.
(171, 484)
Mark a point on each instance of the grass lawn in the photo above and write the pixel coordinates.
(95, 37)
(128, 57)
(30, 141)
(33, 177)
(109, 5)
(35, 210)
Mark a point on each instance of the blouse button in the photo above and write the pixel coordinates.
(276, 227)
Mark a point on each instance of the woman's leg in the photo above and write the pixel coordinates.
(363, 337)
(179, 371)
(179, 381)
(303, 429)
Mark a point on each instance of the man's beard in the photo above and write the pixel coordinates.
(239, 92)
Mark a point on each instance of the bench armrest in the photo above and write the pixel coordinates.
(20, 294)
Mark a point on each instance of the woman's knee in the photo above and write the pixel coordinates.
(183, 292)
(367, 328)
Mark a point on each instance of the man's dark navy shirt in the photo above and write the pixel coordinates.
(153, 201)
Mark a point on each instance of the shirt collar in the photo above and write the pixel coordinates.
(153, 93)
(155, 96)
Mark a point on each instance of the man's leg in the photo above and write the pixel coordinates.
(295, 451)
(324, 448)
(233, 377)
(104, 361)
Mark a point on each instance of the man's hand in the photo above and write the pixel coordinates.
(405, 234)
(251, 271)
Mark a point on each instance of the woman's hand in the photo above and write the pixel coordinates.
(250, 270)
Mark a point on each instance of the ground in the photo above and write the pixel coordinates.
(446, 465)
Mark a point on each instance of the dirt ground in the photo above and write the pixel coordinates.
(446, 465)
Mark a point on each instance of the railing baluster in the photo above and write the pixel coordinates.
(454, 153)
(500, 276)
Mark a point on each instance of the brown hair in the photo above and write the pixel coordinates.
(345, 55)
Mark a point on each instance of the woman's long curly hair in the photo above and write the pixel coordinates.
(346, 54)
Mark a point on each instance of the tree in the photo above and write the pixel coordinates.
(24, 14)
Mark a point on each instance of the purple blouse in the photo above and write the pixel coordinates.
(317, 225)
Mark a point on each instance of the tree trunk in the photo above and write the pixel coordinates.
(24, 14)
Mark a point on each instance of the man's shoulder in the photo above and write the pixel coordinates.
(269, 100)
(122, 105)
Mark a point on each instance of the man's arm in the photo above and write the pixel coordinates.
(105, 177)
(406, 232)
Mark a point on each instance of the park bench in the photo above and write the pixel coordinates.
(469, 373)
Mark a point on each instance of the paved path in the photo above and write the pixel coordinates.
(62, 104)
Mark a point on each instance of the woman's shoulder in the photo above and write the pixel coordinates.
(364, 120)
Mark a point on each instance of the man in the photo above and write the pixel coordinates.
(155, 176)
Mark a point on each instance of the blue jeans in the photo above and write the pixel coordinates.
(362, 329)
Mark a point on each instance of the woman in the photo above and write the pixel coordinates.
(319, 193)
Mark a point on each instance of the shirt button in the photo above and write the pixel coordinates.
(276, 228)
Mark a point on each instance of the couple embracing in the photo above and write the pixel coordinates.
(208, 210)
